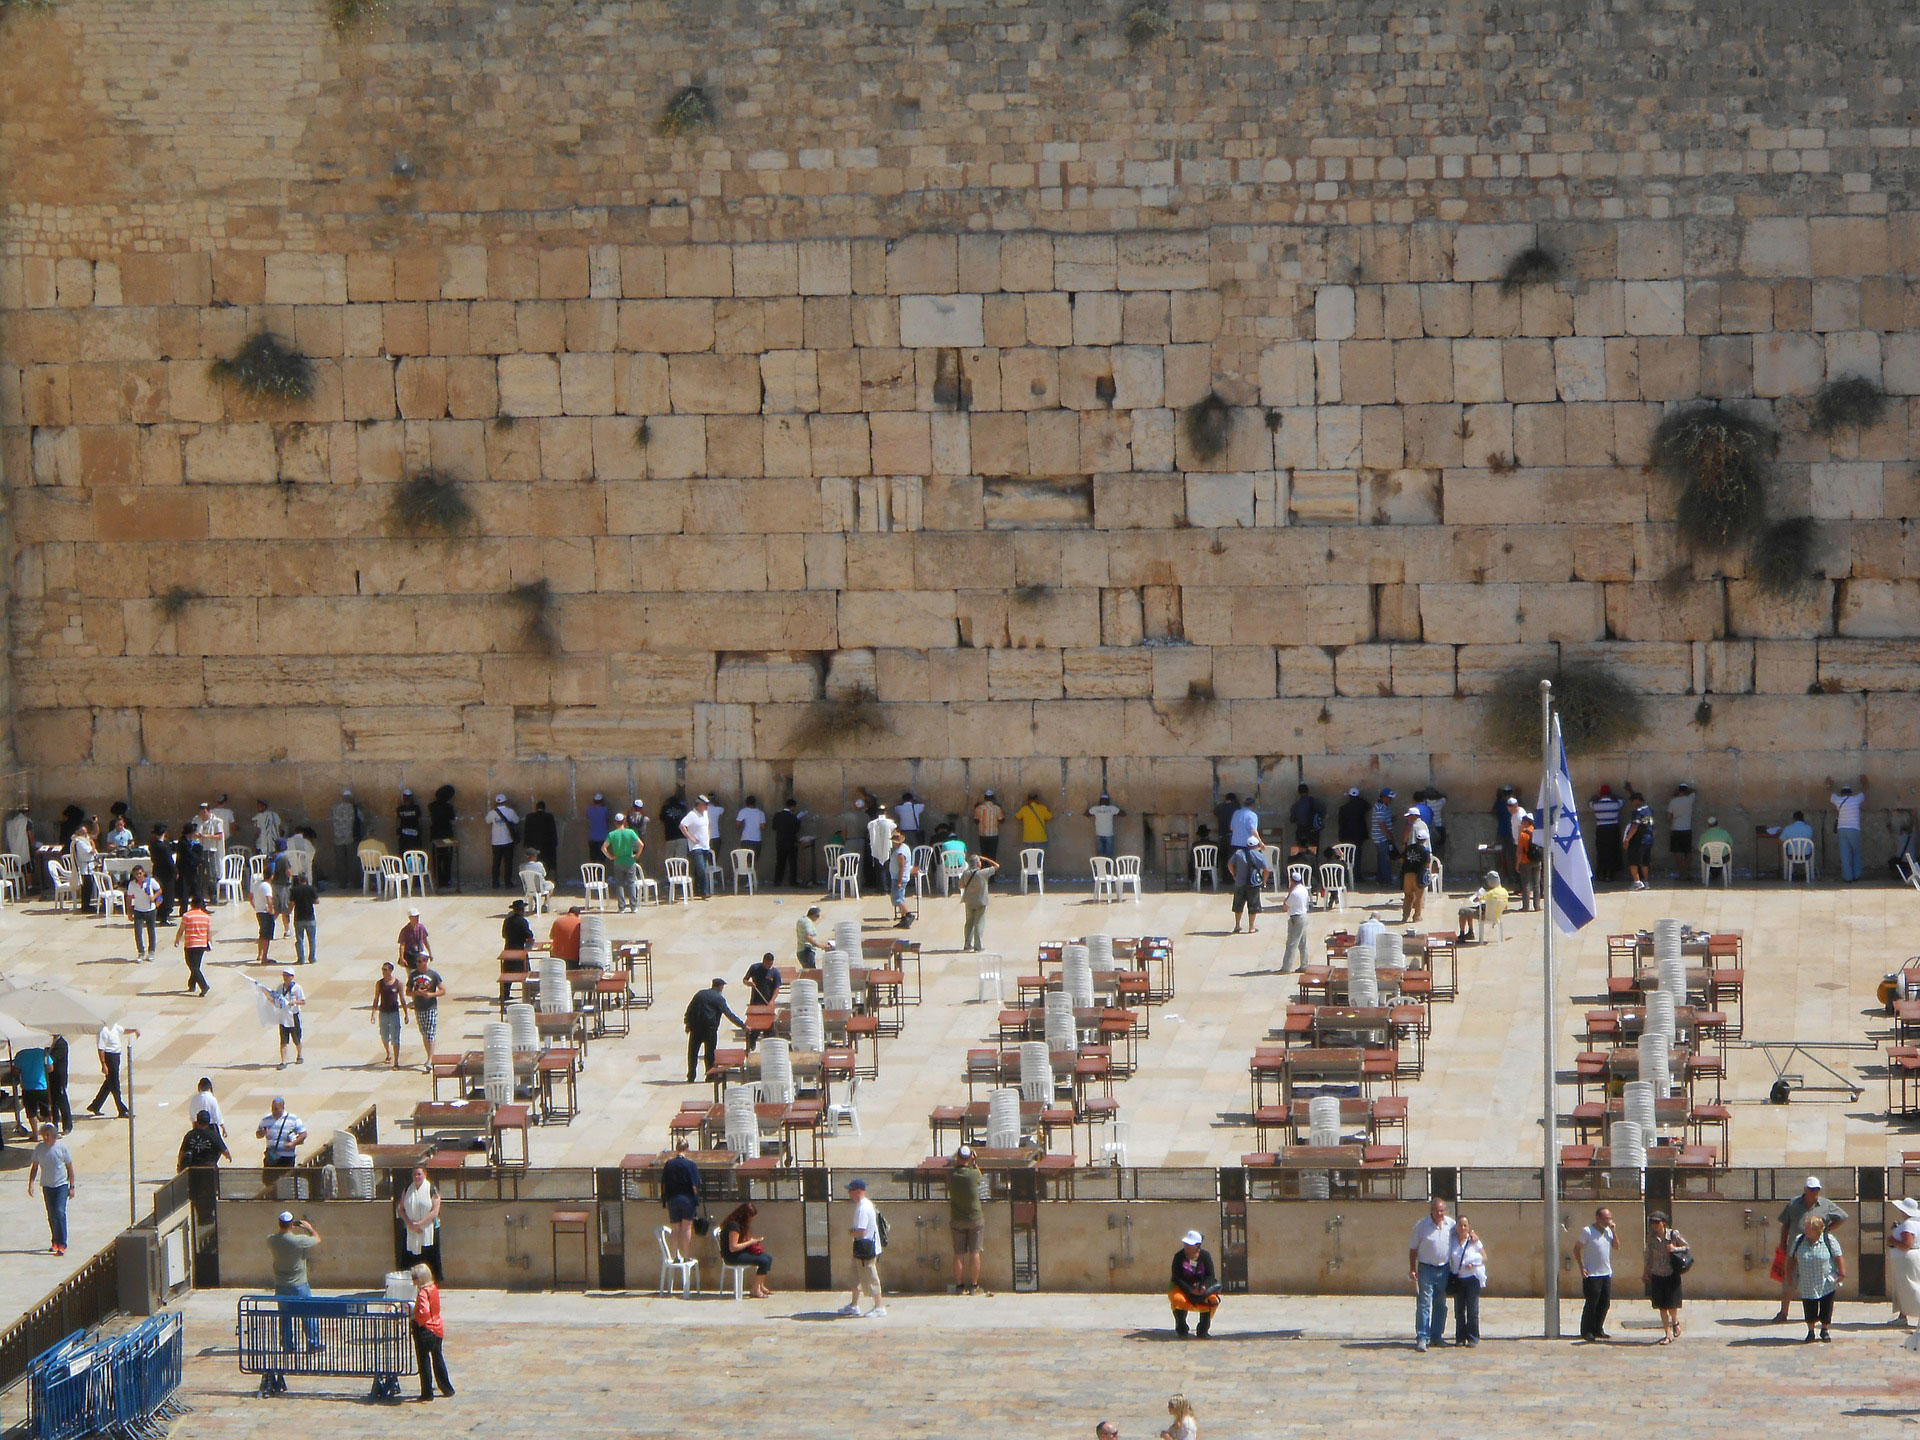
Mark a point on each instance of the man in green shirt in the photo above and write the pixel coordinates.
(806, 937)
(974, 889)
(622, 848)
(289, 1249)
(1716, 834)
(966, 1218)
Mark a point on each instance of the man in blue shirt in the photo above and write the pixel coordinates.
(32, 1065)
(597, 826)
(1243, 826)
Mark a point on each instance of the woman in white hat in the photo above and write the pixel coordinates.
(1903, 1263)
(1194, 1288)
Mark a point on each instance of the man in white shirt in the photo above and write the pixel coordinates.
(1369, 931)
(1594, 1251)
(1298, 903)
(1680, 830)
(290, 1000)
(204, 1103)
(503, 830)
(909, 814)
(752, 821)
(212, 832)
(1103, 816)
(1429, 1253)
(865, 1230)
(110, 1044)
(223, 812)
(1847, 804)
(267, 828)
(260, 893)
(879, 842)
(696, 828)
(284, 1135)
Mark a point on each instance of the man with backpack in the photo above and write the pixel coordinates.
(1528, 852)
(503, 833)
(869, 1234)
(1415, 858)
(1247, 865)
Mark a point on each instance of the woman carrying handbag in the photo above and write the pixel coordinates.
(1668, 1257)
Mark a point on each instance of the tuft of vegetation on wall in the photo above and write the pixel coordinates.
(1599, 710)
(267, 368)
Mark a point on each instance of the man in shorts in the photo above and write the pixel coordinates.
(1639, 841)
(290, 1000)
(966, 1219)
(680, 1193)
(261, 894)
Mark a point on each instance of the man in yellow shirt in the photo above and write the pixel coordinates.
(1033, 817)
(1486, 905)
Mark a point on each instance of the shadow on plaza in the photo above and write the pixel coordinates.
(1170, 1337)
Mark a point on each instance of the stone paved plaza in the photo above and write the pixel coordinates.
(1813, 958)
(1049, 1366)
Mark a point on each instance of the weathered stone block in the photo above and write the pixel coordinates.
(948, 320)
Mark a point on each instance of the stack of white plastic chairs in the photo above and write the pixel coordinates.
(836, 975)
(776, 1072)
(1076, 976)
(1036, 1072)
(1629, 1146)
(556, 991)
(1390, 949)
(1003, 1119)
(352, 1171)
(497, 1067)
(1100, 952)
(1638, 1095)
(1059, 1026)
(596, 950)
(846, 936)
(1660, 1013)
(1323, 1120)
(806, 1026)
(526, 1033)
(1363, 980)
(1655, 1053)
(743, 1125)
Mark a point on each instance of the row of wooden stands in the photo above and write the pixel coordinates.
(600, 997)
(549, 1077)
(1143, 975)
(1901, 994)
(1716, 983)
(457, 1133)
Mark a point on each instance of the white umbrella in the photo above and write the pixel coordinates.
(51, 1006)
(18, 1032)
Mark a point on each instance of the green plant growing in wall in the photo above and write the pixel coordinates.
(1721, 461)
(688, 110)
(267, 368)
(1599, 710)
(536, 604)
(1850, 402)
(1146, 24)
(1534, 265)
(1209, 426)
(1781, 558)
(173, 602)
(841, 720)
(430, 502)
(345, 14)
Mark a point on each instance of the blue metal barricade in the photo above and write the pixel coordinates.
(125, 1387)
(346, 1335)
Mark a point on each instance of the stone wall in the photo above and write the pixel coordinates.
(879, 384)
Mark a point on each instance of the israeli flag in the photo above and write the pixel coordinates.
(1572, 899)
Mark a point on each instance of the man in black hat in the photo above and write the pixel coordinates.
(704, 1014)
(406, 823)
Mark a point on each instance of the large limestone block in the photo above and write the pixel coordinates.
(1652, 667)
(1422, 669)
(1751, 612)
(1848, 490)
(248, 736)
(340, 680)
(1162, 260)
(1873, 609)
(1058, 617)
(1778, 724)
(1478, 669)
(230, 455)
(1024, 674)
(1787, 364)
(602, 732)
(1858, 665)
(1472, 614)
(744, 678)
(1785, 667)
(1483, 252)
(1364, 670)
(529, 385)
(943, 320)
(1107, 673)
(918, 618)
(1187, 726)
(1245, 672)
(1777, 247)
(1686, 611)
(294, 278)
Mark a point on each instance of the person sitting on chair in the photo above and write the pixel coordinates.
(740, 1246)
(1486, 905)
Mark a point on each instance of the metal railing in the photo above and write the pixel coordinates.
(80, 1302)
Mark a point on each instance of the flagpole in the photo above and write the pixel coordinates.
(1550, 1140)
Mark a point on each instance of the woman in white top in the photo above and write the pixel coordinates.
(1185, 1425)
(418, 1209)
(1467, 1269)
(143, 903)
(1903, 1263)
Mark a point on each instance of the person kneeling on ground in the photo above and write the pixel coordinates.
(740, 1246)
(1193, 1288)
(1486, 905)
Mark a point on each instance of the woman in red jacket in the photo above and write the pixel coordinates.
(428, 1333)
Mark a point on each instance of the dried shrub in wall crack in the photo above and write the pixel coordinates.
(1780, 561)
(346, 14)
(1534, 265)
(1031, 594)
(267, 368)
(1721, 460)
(840, 720)
(535, 601)
(1146, 24)
(1210, 426)
(1599, 710)
(1852, 401)
(430, 502)
(688, 110)
(173, 603)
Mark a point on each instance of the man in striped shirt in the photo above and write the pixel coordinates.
(1607, 808)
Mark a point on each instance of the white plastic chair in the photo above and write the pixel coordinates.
(1333, 880)
(672, 1267)
(1436, 877)
(418, 866)
(1033, 866)
(393, 880)
(1271, 853)
(1206, 867)
(955, 864)
(847, 1109)
(990, 971)
(1348, 856)
(1797, 852)
(593, 879)
(535, 888)
(1103, 886)
(922, 867)
(256, 867)
(370, 853)
(13, 885)
(743, 864)
(846, 876)
(1114, 1151)
(731, 1274)
(1126, 874)
(646, 886)
(1716, 855)
(65, 887)
(233, 881)
(1298, 875)
(107, 890)
(679, 879)
(830, 855)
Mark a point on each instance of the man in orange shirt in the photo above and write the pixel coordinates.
(564, 937)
